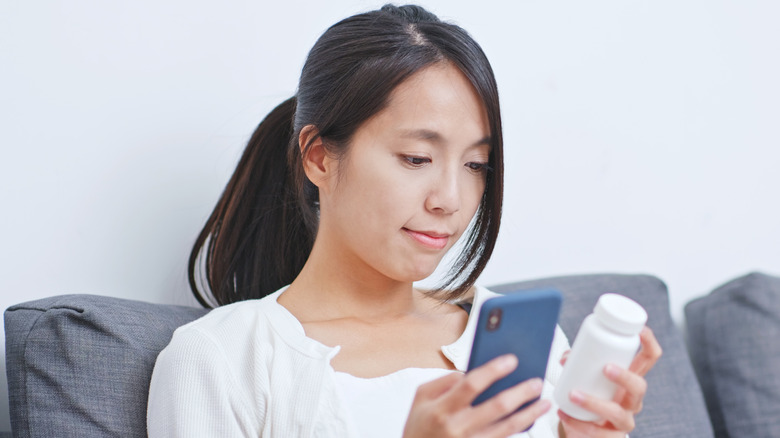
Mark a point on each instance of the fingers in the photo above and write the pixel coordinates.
(619, 412)
(620, 418)
(633, 387)
(518, 422)
(649, 353)
(577, 428)
(444, 404)
(478, 380)
(507, 401)
(616, 414)
(495, 410)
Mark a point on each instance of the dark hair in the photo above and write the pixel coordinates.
(262, 230)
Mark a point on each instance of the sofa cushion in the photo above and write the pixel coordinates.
(734, 339)
(79, 365)
(673, 406)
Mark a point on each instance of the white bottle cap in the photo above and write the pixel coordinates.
(621, 314)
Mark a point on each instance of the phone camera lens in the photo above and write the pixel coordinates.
(494, 319)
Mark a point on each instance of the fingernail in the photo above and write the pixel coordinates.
(577, 397)
(612, 371)
(536, 384)
(508, 362)
(544, 405)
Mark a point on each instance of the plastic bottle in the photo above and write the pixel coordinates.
(608, 335)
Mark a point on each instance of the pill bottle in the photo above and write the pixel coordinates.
(608, 335)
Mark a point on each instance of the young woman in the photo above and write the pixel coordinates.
(346, 194)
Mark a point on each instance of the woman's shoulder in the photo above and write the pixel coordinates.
(252, 325)
(229, 325)
(234, 314)
(212, 358)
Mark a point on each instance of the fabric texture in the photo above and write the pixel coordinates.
(248, 369)
(79, 365)
(673, 406)
(734, 339)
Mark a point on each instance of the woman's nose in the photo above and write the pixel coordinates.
(444, 195)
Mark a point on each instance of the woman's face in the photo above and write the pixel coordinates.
(411, 180)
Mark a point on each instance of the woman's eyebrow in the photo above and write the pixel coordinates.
(436, 138)
(423, 134)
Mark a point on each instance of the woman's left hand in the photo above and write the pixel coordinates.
(617, 414)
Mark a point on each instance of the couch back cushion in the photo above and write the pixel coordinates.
(734, 339)
(80, 365)
(674, 406)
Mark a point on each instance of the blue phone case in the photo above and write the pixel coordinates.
(526, 329)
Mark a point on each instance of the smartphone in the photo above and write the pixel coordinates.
(521, 323)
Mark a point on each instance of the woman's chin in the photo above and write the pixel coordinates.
(414, 268)
(419, 273)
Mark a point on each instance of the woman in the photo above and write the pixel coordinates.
(346, 194)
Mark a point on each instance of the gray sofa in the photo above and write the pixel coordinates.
(79, 365)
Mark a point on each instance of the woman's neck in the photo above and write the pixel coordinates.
(323, 297)
(335, 287)
(381, 325)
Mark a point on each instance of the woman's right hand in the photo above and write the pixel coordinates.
(442, 407)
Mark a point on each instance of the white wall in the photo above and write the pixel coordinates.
(641, 136)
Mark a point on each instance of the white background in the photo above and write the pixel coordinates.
(641, 136)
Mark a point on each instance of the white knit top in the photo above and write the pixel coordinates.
(249, 370)
(379, 406)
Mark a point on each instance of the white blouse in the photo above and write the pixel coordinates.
(248, 370)
(379, 406)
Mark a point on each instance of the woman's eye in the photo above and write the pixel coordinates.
(416, 161)
(477, 167)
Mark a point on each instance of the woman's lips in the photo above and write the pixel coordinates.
(430, 239)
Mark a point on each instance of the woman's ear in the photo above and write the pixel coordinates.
(317, 163)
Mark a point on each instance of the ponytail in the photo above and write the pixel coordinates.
(259, 235)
